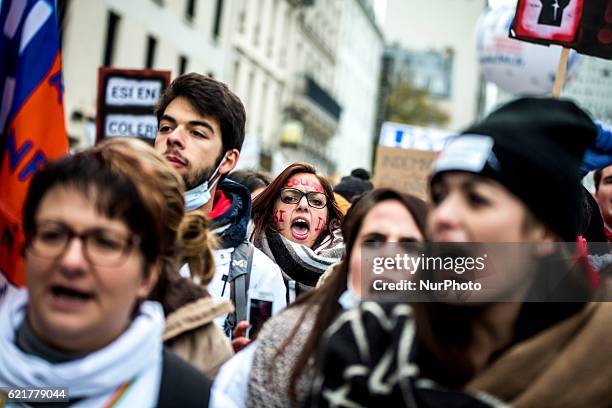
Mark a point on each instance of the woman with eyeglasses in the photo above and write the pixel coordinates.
(95, 239)
(277, 370)
(297, 223)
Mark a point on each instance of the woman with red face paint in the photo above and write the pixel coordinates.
(277, 369)
(297, 223)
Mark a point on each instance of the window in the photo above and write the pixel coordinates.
(190, 10)
(151, 46)
(217, 24)
(241, 21)
(111, 35)
(182, 66)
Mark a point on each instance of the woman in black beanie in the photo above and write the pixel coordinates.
(513, 178)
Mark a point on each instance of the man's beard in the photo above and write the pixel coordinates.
(196, 178)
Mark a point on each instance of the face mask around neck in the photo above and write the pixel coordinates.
(200, 195)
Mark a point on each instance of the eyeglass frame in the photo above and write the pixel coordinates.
(132, 241)
(302, 194)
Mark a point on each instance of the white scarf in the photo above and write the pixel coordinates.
(135, 356)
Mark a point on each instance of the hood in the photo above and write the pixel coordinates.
(231, 226)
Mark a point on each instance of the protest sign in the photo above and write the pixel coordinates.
(405, 155)
(126, 101)
(585, 26)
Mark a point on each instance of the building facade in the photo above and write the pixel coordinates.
(360, 48)
(310, 114)
(306, 71)
(591, 87)
(175, 35)
(446, 28)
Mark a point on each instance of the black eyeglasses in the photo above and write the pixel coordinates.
(293, 196)
(101, 247)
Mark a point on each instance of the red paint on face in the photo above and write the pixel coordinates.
(277, 216)
(304, 182)
(319, 222)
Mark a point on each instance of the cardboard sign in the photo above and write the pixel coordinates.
(405, 170)
(585, 26)
(126, 100)
(405, 155)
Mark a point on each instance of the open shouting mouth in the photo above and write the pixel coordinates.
(300, 228)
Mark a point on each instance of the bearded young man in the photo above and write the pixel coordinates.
(201, 131)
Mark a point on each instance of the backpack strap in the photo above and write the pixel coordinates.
(239, 279)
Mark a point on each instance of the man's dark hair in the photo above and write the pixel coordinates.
(209, 97)
(597, 178)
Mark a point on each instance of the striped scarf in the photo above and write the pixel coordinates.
(299, 262)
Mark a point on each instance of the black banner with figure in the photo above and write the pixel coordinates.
(585, 26)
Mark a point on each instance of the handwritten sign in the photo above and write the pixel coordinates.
(406, 170)
(122, 91)
(126, 101)
(405, 156)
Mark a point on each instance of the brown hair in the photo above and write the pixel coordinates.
(134, 184)
(263, 205)
(187, 236)
(124, 188)
(326, 297)
(209, 97)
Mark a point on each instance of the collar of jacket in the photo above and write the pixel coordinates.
(231, 226)
(195, 314)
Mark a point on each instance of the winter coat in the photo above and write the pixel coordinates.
(271, 373)
(230, 227)
(191, 333)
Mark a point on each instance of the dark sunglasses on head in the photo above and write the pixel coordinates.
(293, 196)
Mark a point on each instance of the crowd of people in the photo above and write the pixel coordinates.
(158, 276)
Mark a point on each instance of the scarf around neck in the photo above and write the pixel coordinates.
(299, 262)
(567, 365)
(134, 360)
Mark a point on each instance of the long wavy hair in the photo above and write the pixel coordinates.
(326, 297)
(263, 205)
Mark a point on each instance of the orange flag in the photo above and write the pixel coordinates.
(32, 130)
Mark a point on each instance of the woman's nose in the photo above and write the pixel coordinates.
(446, 214)
(303, 203)
(73, 257)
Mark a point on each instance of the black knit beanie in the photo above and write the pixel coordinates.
(350, 187)
(534, 148)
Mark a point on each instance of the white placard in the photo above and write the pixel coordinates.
(413, 137)
(144, 126)
(133, 92)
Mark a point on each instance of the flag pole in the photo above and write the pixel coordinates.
(561, 71)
